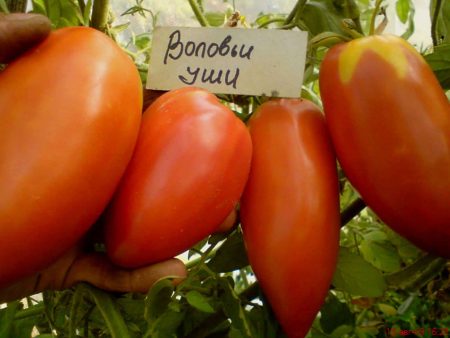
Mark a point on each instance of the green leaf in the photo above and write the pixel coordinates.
(232, 307)
(440, 21)
(439, 61)
(39, 7)
(142, 41)
(261, 323)
(4, 9)
(358, 277)
(231, 255)
(7, 319)
(87, 13)
(334, 314)
(381, 254)
(323, 16)
(410, 27)
(166, 325)
(407, 251)
(158, 299)
(199, 301)
(110, 312)
(266, 19)
(388, 310)
(403, 7)
(215, 19)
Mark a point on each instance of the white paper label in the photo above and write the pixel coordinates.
(228, 60)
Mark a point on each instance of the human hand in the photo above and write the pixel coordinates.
(19, 32)
(78, 265)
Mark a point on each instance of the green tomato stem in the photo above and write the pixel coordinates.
(32, 311)
(434, 22)
(352, 210)
(201, 18)
(295, 13)
(100, 12)
(374, 16)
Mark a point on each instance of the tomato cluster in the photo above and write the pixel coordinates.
(74, 146)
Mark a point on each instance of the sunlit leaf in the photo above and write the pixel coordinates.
(358, 277)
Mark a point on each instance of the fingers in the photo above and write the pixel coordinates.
(20, 31)
(49, 279)
(97, 270)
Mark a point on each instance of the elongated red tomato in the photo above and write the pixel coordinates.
(187, 173)
(390, 123)
(290, 210)
(70, 111)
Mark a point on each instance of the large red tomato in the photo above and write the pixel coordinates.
(70, 111)
(390, 123)
(187, 173)
(290, 210)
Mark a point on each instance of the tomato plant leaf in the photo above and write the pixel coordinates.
(381, 254)
(215, 19)
(39, 7)
(320, 16)
(199, 301)
(440, 18)
(158, 299)
(334, 314)
(166, 325)
(3, 6)
(232, 307)
(262, 324)
(110, 312)
(439, 61)
(7, 319)
(87, 13)
(402, 8)
(358, 277)
(231, 255)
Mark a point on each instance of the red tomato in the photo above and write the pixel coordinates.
(70, 111)
(228, 223)
(390, 123)
(290, 210)
(187, 173)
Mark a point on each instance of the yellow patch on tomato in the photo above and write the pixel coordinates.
(390, 48)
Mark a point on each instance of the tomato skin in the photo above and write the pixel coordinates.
(187, 173)
(70, 110)
(390, 123)
(290, 210)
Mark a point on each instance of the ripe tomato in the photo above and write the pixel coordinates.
(70, 111)
(390, 123)
(228, 223)
(187, 173)
(290, 210)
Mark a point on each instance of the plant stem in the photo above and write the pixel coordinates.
(82, 5)
(374, 16)
(100, 12)
(352, 210)
(295, 11)
(434, 22)
(198, 13)
(417, 274)
(32, 311)
(111, 314)
(268, 22)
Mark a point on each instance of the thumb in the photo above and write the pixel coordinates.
(97, 270)
(20, 31)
